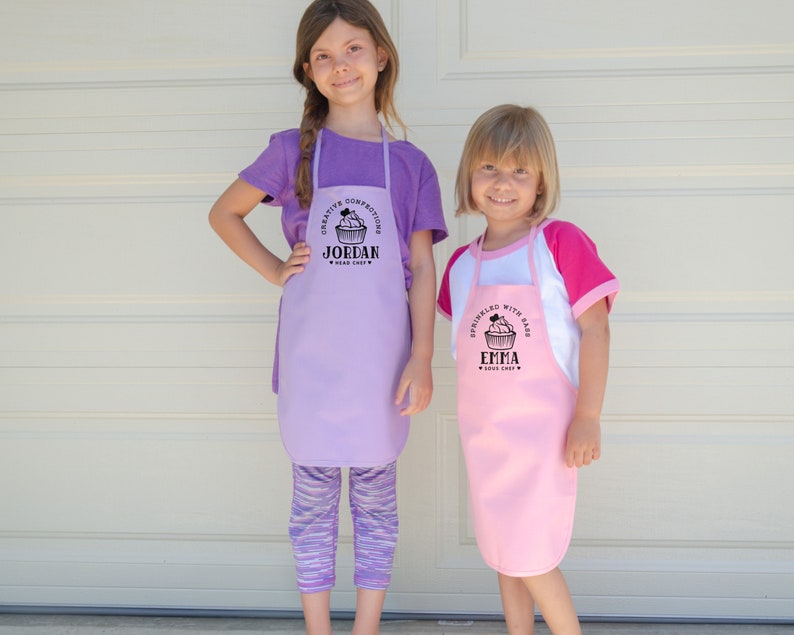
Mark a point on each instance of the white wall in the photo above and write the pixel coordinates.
(140, 463)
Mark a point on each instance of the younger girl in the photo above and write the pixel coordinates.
(360, 212)
(528, 302)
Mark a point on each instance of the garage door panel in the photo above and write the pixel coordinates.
(472, 41)
(243, 343)
(145, 42)
(174, 480)
(638, 596)
(664, 471)
(144, 390)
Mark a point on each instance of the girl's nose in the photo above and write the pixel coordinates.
(501, 180)
(340, 64)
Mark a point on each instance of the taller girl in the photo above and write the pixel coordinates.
(360, 211)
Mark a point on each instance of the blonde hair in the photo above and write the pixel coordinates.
(510, 132)
(317, 17)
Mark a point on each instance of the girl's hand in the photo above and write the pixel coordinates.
(417, 379)
(294, 264)
(584, 442)
(227, 218)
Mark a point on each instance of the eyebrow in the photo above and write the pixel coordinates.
(348, 43)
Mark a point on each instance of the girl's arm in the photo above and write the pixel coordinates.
(417, 377)
(584, 433)
(227, 218)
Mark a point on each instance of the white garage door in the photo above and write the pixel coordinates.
(140, 462)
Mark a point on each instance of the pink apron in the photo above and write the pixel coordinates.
(514, 408)
(344, 332)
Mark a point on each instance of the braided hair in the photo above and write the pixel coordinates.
(317, 17)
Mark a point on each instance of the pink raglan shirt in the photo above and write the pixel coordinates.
(572, 279)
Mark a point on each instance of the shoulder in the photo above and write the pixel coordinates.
(273, 170)
(586, 277)
(416, 184)
(404, 148)
(286, 140)
(564, 233)
(290, 134)
(282, 146)
(570, 247)
(406, 153)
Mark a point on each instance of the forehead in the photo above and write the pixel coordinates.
(340, 32)
(509, 159)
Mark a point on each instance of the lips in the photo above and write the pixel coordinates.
(501, 201)
(344, 84)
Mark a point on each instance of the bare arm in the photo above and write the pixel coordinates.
(584, 433)
(227, 218)
(417, 376)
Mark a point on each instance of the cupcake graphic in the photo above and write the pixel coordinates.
(500, 336)
(351, 230)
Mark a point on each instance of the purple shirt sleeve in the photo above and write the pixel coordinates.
(271, 171)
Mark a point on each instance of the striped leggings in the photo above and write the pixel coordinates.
(314, 525)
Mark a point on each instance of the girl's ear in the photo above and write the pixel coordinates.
(383, 58)
(307, 68)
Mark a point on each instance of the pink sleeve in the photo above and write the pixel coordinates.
(586, 277)
(444, 304)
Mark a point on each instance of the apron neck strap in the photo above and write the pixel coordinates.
(316, 163)
(386, 167)
(533, 232)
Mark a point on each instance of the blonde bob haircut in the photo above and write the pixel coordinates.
(510, 132)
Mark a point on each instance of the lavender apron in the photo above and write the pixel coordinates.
(344, 331)
(514, 408)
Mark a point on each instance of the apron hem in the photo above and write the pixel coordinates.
(527, 574)
(338, 463)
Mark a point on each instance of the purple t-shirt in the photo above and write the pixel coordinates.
(415, 193)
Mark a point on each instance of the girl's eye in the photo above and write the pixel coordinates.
(355, 48)
(488, 167)
(521, 171)
(321, 57)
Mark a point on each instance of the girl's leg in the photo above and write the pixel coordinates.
(518, 605)
(373, 505)
(554, 601)
(313, 530)
(317, 612)
(369, 606)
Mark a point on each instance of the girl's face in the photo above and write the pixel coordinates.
(344, 64)
(505, 192)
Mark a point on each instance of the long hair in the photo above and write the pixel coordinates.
(317, 17)
(510, 131)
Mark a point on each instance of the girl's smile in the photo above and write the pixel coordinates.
(505, 191)
(500, 201)
(346, 83)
